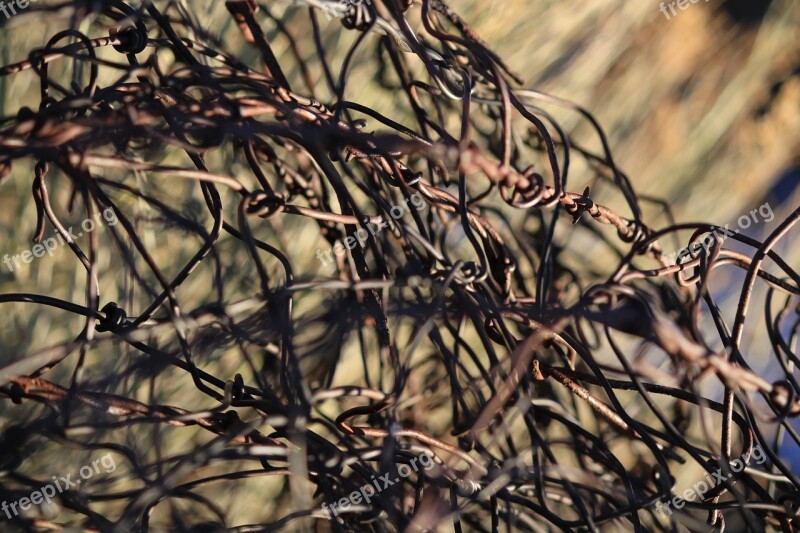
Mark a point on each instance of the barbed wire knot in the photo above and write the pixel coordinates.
(114, 318)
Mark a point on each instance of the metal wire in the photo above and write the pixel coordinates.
(466, 305)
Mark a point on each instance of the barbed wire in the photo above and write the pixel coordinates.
(467, 306)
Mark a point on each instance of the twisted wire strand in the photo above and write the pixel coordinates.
(565, 397)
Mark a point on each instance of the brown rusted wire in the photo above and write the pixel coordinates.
(463, 303)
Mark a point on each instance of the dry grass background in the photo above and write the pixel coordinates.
(700, 110)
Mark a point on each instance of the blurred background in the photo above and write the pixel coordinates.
(701, 108)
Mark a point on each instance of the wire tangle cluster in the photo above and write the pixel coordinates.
(551, 391)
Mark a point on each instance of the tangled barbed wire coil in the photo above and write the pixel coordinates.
(549, 394)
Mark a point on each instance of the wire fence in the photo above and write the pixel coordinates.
(552, 391)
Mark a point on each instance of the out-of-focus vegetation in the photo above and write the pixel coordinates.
(701, 111)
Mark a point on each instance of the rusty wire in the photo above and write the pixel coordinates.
(465, 305)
